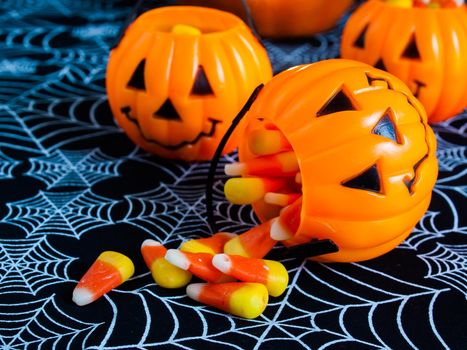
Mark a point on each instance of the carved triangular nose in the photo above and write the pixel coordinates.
(167, 111)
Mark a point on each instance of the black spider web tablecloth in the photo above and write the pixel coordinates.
(72, 185)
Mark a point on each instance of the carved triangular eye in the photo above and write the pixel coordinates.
(380, 64)
(360, 42)
(411, 51)
(369, 180)
(137, 79)
(167, 111)
(201, 86)
(386, 128)
(339, 102)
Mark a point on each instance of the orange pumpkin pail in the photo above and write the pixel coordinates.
(424, 47)
(284, 18)
(179, 76)
(365, 151)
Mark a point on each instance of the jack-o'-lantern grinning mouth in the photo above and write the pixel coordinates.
(127, 112)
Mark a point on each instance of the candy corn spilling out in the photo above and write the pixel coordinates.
(212, 245)
(270, 273)
(280, 164)
(286, 225)
(266, 142)
(434, 4)
(185, 29)
(109, 271)
(251, 189)
(164, 273)
(281, 199)
(255, 243)
(247, 300)
(199, 264)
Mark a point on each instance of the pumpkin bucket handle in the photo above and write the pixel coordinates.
(217, 156)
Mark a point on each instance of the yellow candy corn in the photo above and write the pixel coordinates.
(251, 189)
(164, 273)
(109, 271)
(242, 299)
(212, 245)
(185, 29)
(266, 142)
(280, 164)
(268, 272)
(400, 3)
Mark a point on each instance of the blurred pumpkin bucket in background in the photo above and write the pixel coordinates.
(282, 18)
(178, 77)
(425, 47)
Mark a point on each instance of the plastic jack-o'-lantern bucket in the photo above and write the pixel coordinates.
(283, 18)
(425, 47)
(365, 152)
(179, 76)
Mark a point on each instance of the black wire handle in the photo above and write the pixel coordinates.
(217, 156)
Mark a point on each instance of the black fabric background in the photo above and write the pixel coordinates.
(72, 185)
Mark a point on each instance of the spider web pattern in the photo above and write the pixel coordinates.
(74, 168)
(29, 265)
(40, 324)
(7, 165)
(72, 185)
(66, 213)
(448, 263)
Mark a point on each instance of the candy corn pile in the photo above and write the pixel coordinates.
(236, 284)
(426, 3)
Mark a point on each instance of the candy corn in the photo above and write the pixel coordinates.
(246, 300)
(280, 164)
(199, 264)
(164, 273)
(281, 199)
(286, 225)
(185, 29)
(265, 142)
(255, 243)
(298, 178)
(270, 273)
(109, 271)
(212, 245)
(400, 3)
(251, 189)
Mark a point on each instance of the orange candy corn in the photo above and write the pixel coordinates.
(251, 189)
(280, 164)
(281, 199)
(212, 245)
(266, 142)
(286, 225)
(109, 271)
(199, 264)
(270, 273)
(246, 300)
(254, 243)
(164, 273)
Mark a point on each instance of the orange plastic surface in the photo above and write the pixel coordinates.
(425, 47)
(163, 112)
(335, 147)
(285, 18)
